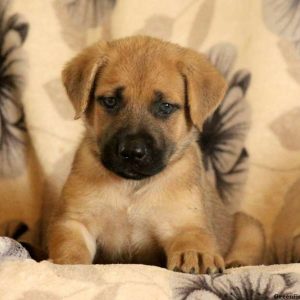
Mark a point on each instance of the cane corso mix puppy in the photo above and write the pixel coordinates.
(137, 191)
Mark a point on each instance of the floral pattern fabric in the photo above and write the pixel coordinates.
(134, 282)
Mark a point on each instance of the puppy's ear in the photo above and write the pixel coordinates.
(79, 75)
(205, 86)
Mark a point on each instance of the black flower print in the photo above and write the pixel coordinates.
(224, 133)
(13, 32)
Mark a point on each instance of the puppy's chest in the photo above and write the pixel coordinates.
(124, 229)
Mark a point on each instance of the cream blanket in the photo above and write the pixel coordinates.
(30, 280)
(23, 278)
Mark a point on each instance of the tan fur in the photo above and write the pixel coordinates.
(285, 242)
(248, 246)
(175, 212)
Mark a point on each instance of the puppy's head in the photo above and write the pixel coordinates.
(141, 99)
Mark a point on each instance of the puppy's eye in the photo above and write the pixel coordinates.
(161, 107)
(112, 102)
(165, 108)
(109, 102)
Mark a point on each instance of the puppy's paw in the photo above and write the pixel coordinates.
(195, 262)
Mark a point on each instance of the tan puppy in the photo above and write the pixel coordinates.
(137, 191)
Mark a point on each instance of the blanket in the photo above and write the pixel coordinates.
(44, 280)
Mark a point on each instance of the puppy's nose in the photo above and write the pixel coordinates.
(132, 149)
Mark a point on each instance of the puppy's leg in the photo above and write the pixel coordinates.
(285, 239)
(193, 251)
(248, 244)
(71, 243)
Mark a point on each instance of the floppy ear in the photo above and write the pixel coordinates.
(79, 75)
(205, 86)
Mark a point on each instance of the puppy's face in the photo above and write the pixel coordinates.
(138, 113)
(141, 98)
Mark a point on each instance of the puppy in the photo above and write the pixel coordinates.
(137, 191)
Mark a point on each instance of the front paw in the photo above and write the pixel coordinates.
(195, 262)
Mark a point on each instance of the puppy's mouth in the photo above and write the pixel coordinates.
(137, 175)
(131, 172)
